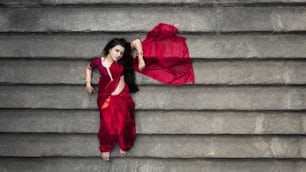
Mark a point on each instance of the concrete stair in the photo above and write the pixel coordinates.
(245, 113)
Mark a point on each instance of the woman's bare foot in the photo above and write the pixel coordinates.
(122, 153)
(105, 156)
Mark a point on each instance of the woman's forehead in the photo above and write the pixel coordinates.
(120, 47)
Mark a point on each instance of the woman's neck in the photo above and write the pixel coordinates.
(107, 60)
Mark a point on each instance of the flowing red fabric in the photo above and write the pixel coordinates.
(166, 56)
(117, 121)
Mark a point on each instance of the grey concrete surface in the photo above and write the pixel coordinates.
(193, 19)
(17, 3)
(201, 46)
(158, 146)
(244, 115)
(149, 165)
(163, 98)
(236, 72)
(156, 122)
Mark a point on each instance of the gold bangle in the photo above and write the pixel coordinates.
(88, 79)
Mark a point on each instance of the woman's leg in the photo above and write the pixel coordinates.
(117, 123)
(107, 133)
(126, 129)
(124, 106)
(127, 133)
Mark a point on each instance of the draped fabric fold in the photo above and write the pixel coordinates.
(117, 121)
(166, 56)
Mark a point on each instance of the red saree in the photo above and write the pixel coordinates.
(117, 121)
(166, 56)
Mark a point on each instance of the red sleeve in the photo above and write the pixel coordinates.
(94, 63)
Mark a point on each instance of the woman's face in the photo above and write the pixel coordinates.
(116, 52)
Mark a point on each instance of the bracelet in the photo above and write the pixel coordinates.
(88, 79)
(140, 53)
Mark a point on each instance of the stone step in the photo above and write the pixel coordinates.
(201, 46)
(149, 165)
(236, 72)
(24, 3)
(162, 97)
(135, 18)
(157, 146)
(156, 122)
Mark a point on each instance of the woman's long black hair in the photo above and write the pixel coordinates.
(126, 61)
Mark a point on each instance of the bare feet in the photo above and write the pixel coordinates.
(105, 156)
(122, 153)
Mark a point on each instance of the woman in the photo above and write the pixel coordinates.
(117, 80)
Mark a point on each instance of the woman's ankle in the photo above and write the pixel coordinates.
(123, 153)
(105, 156)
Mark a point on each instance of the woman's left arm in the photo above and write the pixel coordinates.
(138, 46)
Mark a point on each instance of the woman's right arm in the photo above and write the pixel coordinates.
(88, 73)
(138, 46)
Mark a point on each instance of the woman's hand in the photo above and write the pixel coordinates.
(137, 44)
(88, 72)
(141, 64)
(90, 89)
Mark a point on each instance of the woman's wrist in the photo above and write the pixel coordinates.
(88, 80)
(139, 53)
(88, 83)
(140, 56)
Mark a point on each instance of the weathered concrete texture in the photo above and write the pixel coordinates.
(245, 114)
(44, 71)
(250, 72)
(167, 97)
(193, 19)
(148, 165)
(246, 46)
(156, 122)
(49, 121)
(200, 46)
(205, 122)
(199, 98)
(206, 72)
(162, 146)
(19, 3)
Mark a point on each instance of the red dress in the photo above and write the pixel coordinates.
(167, 60)
(117, 122)
(166, 56)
